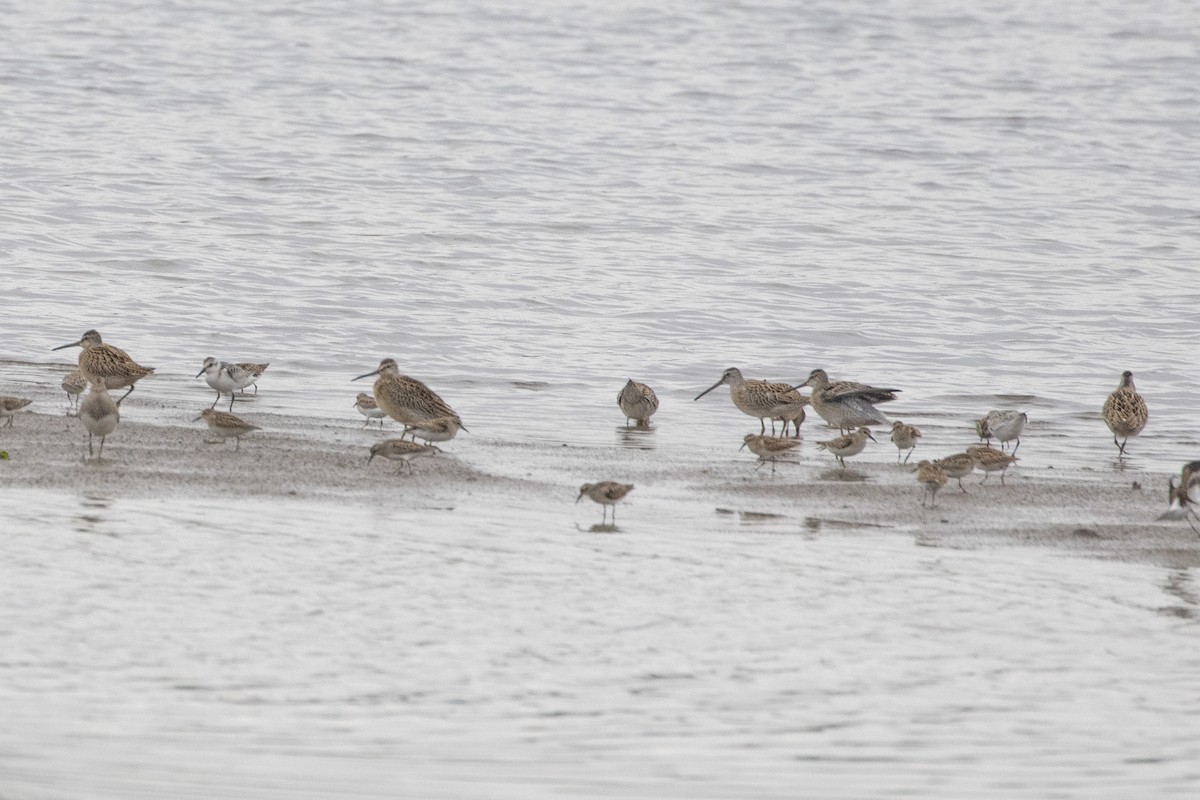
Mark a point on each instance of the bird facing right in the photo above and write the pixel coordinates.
(607, 494)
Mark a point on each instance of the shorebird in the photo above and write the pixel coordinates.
(99, 414)
(74, 385)
(225, 425)
(768, 448)
(606, 493)
(100, 361)
(1178, 497)
(438, 429)
(10, 406)
(405, 399)
(367, 406)
(402, 451)
(1125, 412)
(932, 477)
(759, 399)
(849, 445)
(846, 404)
(957, 466)
(989, 460)
(905, 438)
(791, 412)
(638, 402)
(1002, 425)
(253, 373)
(223, 378)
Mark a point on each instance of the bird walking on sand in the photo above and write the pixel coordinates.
(607, 494)
(225, 424)
(438, 429)
(1125, 412)
(100, 414)
(932, 477)
(367, 406)
(402, 451)
(74, 385)
(989, 460)
(849, 445)
(100, 361)
(223, 378)
(957, 466)
(9, 406)
(638, 402)
(905, 438)
(759, 399)
(846, 404)
(1179, 498)
(1003, 425)
(405, 399)
(768, 448)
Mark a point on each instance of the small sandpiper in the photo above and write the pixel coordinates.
(225, 424)
(438, 429)
(905, 438)
(849, 445)
(957, 466)
(100, 361)
(367, 406)
(1003, 425)
(846, 404)
(989, 460)
(1125, 412)
(252, 373)
(100, 414)
(402, 451)
(223, 378)
(9, 406)
(1178, 497)
(607, 494)
(759, 399)
(637, 402)
(768, 448)
(932, 477)
(74, 385)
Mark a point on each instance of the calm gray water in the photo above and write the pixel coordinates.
(524, 203)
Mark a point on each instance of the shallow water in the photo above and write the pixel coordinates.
(525, 203)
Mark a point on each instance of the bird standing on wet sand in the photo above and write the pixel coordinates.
(932, 477)
(759, 399)
(405, 399)
(9, 406)
(606, 493)
(225, 425)
(989, 460)
(1125, 412)
(638, 402)
(252, 373)
(402, 451)
(100, 361)
(957, 466)
(768, 448)
(846, 404)
(905, 438)
(223, 378)
(74, 385)
(367, 406)
(1002, 425)
(99, 413)
(849, 445)
(1179, 498)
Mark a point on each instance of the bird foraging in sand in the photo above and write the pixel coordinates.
(957, 466)
(607, 494)
(225, 424)
(768, 448)
(989, 460)
(74, 385)
(367, 406)
(849, 445)
(932, 477)
(1003, 425)
(9, 406)
(402, 451)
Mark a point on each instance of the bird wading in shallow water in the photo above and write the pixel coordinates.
(849, 445)
(846, 404)
(637, 402)
(758, 399)
(224, 424)
(768, 448)
(607, 494)
(1125, 412)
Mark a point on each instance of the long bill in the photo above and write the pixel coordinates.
(65, 346)
(709, 389)
(360, 377)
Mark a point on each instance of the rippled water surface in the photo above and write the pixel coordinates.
(985, 205)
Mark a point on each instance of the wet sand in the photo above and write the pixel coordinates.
(1101, 512)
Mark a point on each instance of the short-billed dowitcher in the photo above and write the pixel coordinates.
(223, 378)
(638, 402)
(438, 429)
(607, 494)
(957, 466)
(1125, 412)
(905, 438)
(100, 361)
(74, 385)
(252, 372)
(402, 451)
(99, 414)
(405, 399)
(1002, 425)
(768, 448)
(367, 406)
(225, 424)
(759, 399)
(989, 460)
(9, 406)
(846, 404)
(849, 445)
(932, 477)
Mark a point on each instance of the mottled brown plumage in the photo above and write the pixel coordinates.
(932, 477)
(10, 406)
(99, 361)
(606, 493)
(438, 429)
(74, 385)
(989, 460)
(637, 402)
(849, 445)
(846, 404)
(405, 399)
(768, 448)
(1125, 412)
(225, 424)
(367, 406)
(957, 466)
(402, 451)
(760, 399)
(905, 438)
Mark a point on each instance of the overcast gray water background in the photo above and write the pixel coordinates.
(983, 205)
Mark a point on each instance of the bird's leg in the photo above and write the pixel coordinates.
(910, 451)
(126, 394)
(100, 455)
(1014, 452)
(964, 489)
(986, 475)
(231, 398)
(217, 400)
(90, 452)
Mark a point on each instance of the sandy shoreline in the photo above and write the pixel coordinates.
(1108, 514)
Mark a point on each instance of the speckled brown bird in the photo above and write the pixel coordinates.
(100, 361)
(1125, 412)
